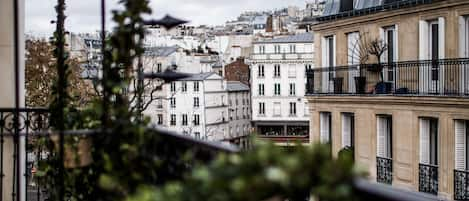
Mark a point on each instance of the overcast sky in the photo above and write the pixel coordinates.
(83, 15)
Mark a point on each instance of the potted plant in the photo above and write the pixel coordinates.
(338, 81)
(377, 48)
(360, 52)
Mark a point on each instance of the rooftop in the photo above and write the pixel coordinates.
(162, 51)
(236, 86)
(339, 9)
(200, 76)
(298, 38)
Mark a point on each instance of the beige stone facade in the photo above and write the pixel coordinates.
(7, 85)
(404, 110)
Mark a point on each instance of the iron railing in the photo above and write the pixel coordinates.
(461, 185)
(33, 130)
(444, 77)
(384, 170)
(16, 129)
(428, 179)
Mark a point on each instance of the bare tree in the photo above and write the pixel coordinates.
(40, 72)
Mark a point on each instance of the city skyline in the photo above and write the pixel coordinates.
(83, 16)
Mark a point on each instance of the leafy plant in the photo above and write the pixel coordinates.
(267, 172)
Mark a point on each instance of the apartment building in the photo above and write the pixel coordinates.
(279, 109)
(404, 112)
(239, 112)
(195, 106)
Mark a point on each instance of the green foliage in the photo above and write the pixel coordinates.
(263, 173)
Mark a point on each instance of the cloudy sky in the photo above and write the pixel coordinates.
(83, 15)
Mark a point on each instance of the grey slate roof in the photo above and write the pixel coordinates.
(298, 38)
(161, 51)
(198, 77)
(236, 86)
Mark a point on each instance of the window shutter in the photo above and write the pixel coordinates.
(441, 37)
(423, 40)
(324, 124)
(424, 141)
(346, 128)
(460, 144)
(381, 137)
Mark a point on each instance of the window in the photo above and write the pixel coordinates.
(277, 49)
(461, 151)
(292, 109)
(277, 110)
(277, 89)
(196, 102)
(236, 114)
(160, 119)
(306, 106)
(159, 68)
(325, 127)
(292, 48)
(292, 89)
(197, 135)
(277, 70)
(196, 119)
(464, 51)
(172, 102)
(384, 136)
(260, 71)
(292, 70)
(431, 47)
(308, 67)
(428, 141)
(390, 56)
(184, 87)
(236, 101)
(261, 49)
(353, 58)
(348, 129)
(196, 86)
(184, 119)
(173, 86)
(328, 60)
(173, 120)
(261, 108)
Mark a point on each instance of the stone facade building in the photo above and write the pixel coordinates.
(279, 109)
(406, 117)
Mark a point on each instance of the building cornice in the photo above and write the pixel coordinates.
(372, 18)
(435, 101)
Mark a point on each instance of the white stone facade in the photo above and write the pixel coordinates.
(195, 106)
(278, 84)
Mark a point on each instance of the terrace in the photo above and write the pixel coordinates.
(436, 78)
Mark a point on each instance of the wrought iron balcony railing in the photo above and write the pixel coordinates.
(445, 77)
(384, 170)
(428, 179)
(461, 185)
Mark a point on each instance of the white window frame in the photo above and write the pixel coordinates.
(425, 49)
(384, 139)
(460, 144)
(326, 75)
(464, 52)
(425, 141)
(347, 130)
(384, 36)
(325, 121)
(353, 57)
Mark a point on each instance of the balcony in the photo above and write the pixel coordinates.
(384, 170)
(461, 185)
(446, 77)
(428, 179)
